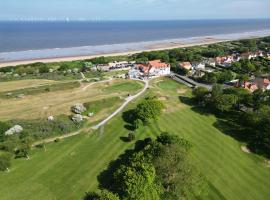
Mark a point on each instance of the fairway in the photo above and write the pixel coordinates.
(66, 170)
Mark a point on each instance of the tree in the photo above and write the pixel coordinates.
(247, 66)
(210, 78)
(135, 180)
(149, 109)
(217, 90)
(225, 102)
(199, 94)
(5, 161)
(3, 128)
(104, 195)
(131, 136)
(43, 68)
(225, 76)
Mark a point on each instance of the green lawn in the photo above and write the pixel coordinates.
(126, 86)
(69, 168)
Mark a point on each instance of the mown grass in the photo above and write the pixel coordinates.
(126, 86)
(96, 106)
(66, 170)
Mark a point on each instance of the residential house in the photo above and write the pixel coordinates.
(198, 65)
(185, 65)
(210, 62)
(224, 60)
(262, 83)
(248, 55)
(250, 86)
(259, 54)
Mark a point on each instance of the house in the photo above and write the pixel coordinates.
(248, 55)
(262, 83)
(198, 73)
(134, 73)
(224, 60)
(210, 62)
(101, 67)
(198, 65)
(155, 68)
(185, 65)
(250, 86)
(259, 53)
(123, 65)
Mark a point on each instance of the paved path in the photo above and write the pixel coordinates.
(127, 101)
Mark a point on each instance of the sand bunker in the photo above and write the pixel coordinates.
(245, 149)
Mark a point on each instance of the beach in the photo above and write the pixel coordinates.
(88, 52)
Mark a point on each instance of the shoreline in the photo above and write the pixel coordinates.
(47, 55)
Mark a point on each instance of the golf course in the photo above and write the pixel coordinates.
(67, 169)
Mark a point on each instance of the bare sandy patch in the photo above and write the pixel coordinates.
(181, 91)
(245, 149)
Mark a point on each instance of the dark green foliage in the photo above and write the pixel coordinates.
(42, 128)
(104, 195)
(131, 136)
(225, 102)
(199, 94)
(3, 128)
(149, 109)
(210, 78)
(5, 161)
(154, 170)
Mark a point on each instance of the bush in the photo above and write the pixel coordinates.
(5, 161)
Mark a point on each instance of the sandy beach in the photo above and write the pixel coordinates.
(88, 52)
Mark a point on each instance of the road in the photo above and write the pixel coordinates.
(189, 81)
(127, 101)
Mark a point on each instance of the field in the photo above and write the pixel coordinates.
(66, 170)
(42, 105)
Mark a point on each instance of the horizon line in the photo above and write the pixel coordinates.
(122, 20)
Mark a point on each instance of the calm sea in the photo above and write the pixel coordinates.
(21, 36)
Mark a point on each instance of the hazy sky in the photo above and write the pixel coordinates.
(134, 9)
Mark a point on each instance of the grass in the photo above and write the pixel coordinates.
(16, 85)
(42, 128)
(128, 86)
(59, 102)
(40, 89)
(66, 170)
(96, 106)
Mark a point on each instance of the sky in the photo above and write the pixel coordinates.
(133, 9)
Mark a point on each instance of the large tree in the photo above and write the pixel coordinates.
(149, 109)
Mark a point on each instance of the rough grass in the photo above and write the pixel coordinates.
(59, 102)
(16, 85)
(66, 170)
(40, 89)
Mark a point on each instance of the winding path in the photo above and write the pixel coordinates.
(127, 101)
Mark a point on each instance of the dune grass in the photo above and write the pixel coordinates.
(66, 170)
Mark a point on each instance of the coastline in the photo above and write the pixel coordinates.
(88, 52)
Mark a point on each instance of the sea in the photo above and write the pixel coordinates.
(43, 39)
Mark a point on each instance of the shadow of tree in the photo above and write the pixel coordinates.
(129, 117)
(105, 178)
